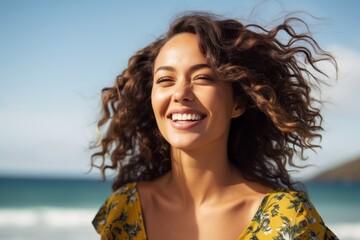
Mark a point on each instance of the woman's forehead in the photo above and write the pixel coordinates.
(182, 49)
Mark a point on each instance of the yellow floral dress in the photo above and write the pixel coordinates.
(283, 214)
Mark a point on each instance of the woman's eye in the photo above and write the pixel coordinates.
(204, 78)
(164, 80)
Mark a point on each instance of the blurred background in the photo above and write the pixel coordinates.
(56, 56)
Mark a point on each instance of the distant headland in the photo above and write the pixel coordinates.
(347, 172)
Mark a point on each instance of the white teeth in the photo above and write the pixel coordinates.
(185, 117)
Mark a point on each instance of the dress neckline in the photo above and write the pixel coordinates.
(242, 234)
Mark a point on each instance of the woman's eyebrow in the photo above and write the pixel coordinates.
(192, 68)
(198, 67)
(167, 68)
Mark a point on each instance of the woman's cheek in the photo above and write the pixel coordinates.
(160, 100)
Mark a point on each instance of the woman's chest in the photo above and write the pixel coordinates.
(220, 223)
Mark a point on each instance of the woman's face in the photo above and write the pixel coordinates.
(192, 108)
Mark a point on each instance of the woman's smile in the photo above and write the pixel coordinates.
(185, 119)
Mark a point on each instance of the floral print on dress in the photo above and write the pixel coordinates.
(282, 215)
(120, 217)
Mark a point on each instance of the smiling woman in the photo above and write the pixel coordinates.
(201, 125)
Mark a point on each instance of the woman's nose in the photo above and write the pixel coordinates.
(183, 93)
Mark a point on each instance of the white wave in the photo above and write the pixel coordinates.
(46, 217)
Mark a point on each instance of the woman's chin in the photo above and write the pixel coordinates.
(184, 143)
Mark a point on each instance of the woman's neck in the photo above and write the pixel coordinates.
(200, 176)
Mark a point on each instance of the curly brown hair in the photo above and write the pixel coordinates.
(272, 77)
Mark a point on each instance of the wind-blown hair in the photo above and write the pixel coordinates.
(271, 77)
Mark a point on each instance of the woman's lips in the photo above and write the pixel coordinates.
(183, 125)
(185, 120)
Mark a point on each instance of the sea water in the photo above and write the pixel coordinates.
(39, 209)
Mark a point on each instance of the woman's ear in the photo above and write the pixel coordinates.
(238, 110)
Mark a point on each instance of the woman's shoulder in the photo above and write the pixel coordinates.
(124, 195)
(286, 214)
(121, 213)
(121, 198)
(290, 207)
(289, 199)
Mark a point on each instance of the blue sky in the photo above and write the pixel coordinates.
(55, 56)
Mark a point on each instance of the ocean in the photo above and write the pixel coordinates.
(62, 209)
